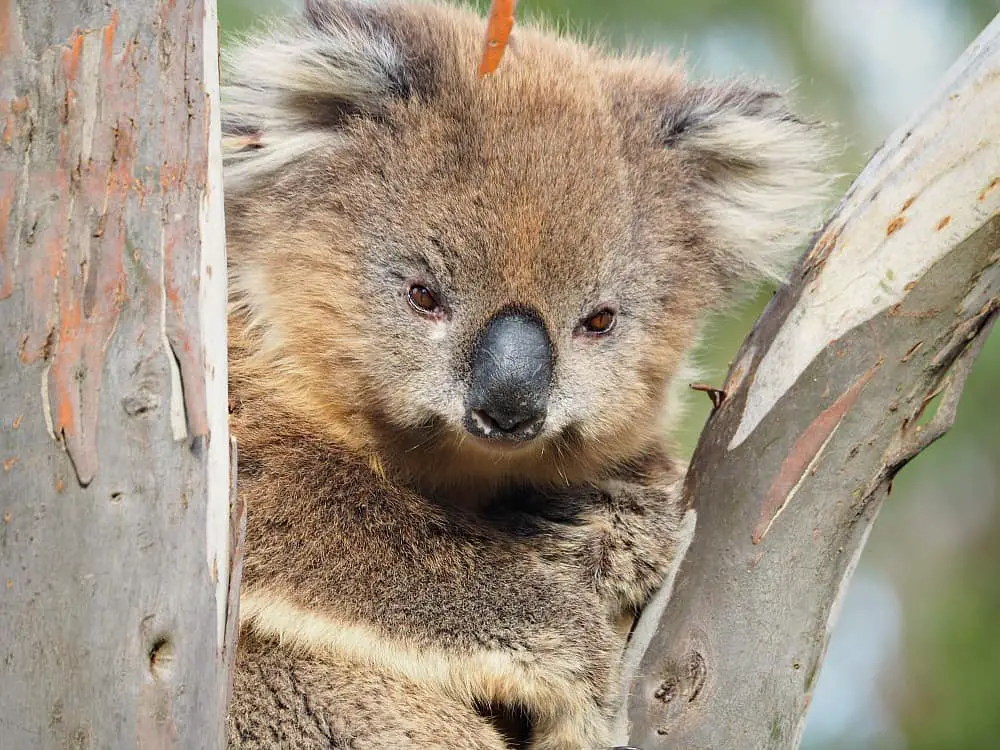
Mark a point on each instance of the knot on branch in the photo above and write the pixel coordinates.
(681, 686)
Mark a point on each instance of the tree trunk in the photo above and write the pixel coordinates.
(830, 395)
(115, 616)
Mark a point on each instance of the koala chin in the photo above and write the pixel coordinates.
(458, 310)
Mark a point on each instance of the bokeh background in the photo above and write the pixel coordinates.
(915, 660)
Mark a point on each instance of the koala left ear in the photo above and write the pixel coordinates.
(762, 170)
(295, 88)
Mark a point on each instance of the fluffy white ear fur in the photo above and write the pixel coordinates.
(287, 89)
(762, 169)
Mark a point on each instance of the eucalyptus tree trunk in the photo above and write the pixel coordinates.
(115, 615)
(855, 367)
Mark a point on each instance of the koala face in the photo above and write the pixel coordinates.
(499, 278)
(516, 301)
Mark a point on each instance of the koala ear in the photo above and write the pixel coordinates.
(762, 172)
(292, 89)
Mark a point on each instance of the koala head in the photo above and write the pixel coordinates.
(490, 279)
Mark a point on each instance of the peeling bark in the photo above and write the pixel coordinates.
(113, 421)
(825, 403)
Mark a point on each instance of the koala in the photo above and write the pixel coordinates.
(459, 309)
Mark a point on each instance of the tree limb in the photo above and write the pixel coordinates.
(828, 398)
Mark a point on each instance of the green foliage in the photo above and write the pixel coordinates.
(955, 659)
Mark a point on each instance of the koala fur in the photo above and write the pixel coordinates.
(417, 575)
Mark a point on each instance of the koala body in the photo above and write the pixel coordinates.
(458, 307)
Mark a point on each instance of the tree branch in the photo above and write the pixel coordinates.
(828, 398)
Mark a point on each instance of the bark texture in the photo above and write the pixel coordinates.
(855, 367)
(114, 490)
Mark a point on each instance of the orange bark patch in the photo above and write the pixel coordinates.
(805, 451)
(895, 225)
(6, 208)
(821, 250)
(989, 188)
(109, 36)
(10, 40)
(10, 113)
(72, 55)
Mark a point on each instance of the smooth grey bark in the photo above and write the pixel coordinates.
(116, 625)
(855, 367)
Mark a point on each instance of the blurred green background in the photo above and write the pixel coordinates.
(915, 659)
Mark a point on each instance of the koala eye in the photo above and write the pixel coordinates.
(600, 323)
(423, 300)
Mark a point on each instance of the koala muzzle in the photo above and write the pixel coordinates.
(510, 379)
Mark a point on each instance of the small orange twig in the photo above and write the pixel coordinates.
(716, 394)
(500, 24)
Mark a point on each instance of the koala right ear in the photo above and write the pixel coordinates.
(291, 90)
(758, 174)
(763, 172)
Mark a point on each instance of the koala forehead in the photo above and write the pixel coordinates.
(509, 204)
(526, 186)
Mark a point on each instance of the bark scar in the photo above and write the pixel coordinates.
(805, 453)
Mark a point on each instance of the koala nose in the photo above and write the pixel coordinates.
(510, 378)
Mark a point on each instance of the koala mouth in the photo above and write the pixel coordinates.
(503, 429)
